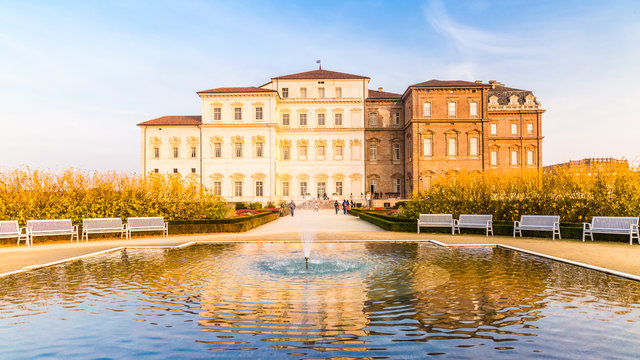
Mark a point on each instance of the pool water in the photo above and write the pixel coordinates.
(356, 300)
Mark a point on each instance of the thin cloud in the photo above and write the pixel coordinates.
(467, 37)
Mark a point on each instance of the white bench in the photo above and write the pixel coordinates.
(11, 229)
(612, 225)
(538, 223)
(475, 222)
(435, 220)
(51, 228)
(147, 224)
(102, 226)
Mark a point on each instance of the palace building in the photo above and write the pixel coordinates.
(317, 133)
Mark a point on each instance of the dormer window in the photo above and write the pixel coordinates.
(493, 100)
(529, 100)
(513, 100)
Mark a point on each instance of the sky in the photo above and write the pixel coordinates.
(77, 76)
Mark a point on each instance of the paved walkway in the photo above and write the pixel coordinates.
(327, 226)
(315, 222)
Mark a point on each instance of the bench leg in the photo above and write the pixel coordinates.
(418, 228)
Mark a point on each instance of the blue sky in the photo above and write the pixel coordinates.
(76, 76)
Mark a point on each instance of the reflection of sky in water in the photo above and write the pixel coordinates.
(397, 300)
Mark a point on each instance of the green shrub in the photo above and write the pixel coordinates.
(256, 206)
(241, 206)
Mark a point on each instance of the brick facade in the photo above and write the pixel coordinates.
(448, 127)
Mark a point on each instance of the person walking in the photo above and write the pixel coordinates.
(345, 205)
(316, 205)
(336, 205)
(292, 206)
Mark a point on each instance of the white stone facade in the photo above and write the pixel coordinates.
(292, 138)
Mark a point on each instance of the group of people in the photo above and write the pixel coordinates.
(346, 204)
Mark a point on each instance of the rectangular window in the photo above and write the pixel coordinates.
(217, 188)
(427, 147)
(194, 152)
(373, 185)
(285, 188)
(303, 119)
(398, 185)
(303, 152)
(338, 119)
(396, 152)
(427, 182)
(338, 92)
(259, 113)
(396, 118)
(514, 157)
(530, 159)
(530, 128)
(286, 153)
(514, 129)
(303, 92)
(156, 170)
(473, 146)
(452, 109)
(339, 188)
(175, 170)
(373, 119)
(193, 170)
(156, 152)
(494, 157)
(321, 92)
(453, 146)
(217, 114)
(426, 109)
(339, 152)
(285, 119)
(175, 152)
(373, 152)
(494, 129)
(303, 188)
(259, 188)
(237, 188)
(473, 108)
(217, 150)
(321, 119)
(321, 152)
(285, 92)
(259, 150)
(237, 114)
(322, 189)
(237, 150)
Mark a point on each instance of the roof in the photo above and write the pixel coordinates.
(448, 83)
(175, 120)
(246, 89)
(375, 94)
(320, 74)
(504, 93)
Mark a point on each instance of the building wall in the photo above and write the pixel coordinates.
(385, 170)
(355, 171)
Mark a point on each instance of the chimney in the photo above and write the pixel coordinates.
(379, 89)
(478, 81)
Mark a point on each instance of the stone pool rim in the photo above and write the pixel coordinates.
(435, 242)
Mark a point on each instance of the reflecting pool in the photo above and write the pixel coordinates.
(356, 300)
